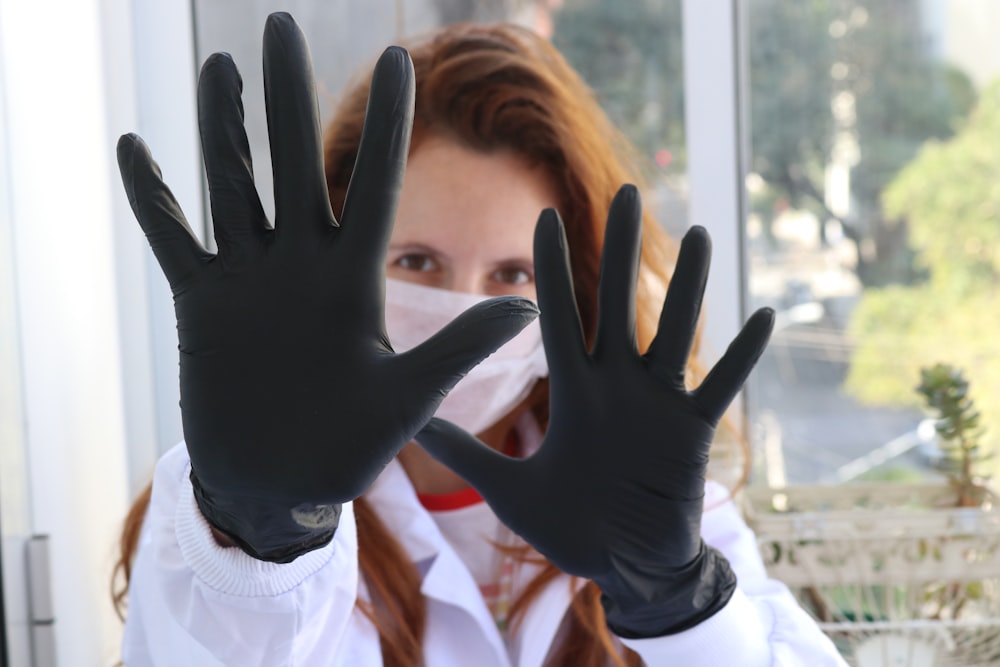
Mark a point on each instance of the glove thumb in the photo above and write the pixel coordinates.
(447, 356)
(491, 473)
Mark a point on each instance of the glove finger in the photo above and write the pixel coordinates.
(301, 202)
(492, 474)
(372, 197)
(175, 246)
(443, 359)
(562, 333)
(237, 213)
(619, 275)
(670, 349)
(726, 378)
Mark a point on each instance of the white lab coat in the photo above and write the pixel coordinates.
(195, 604)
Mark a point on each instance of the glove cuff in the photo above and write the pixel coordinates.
(267, 531)
(676, 602)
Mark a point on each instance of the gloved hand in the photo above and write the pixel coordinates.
(291, 396)
(615, 491)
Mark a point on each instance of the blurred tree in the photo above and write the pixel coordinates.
(791, 122)
(958, 429)
(828, 78)
(630, 53)
(454, 11)
(850, 82)
(950, 194)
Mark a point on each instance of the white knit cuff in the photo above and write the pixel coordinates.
(229, 570)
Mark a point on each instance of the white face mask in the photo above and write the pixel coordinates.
(490, 390)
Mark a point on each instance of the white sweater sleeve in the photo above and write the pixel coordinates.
(761, 626)
(192, 602)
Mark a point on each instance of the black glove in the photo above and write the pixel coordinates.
(615, 492)
(291, 396)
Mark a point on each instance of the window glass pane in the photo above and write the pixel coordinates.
(629, 52)
(631, 55)
(874, 227)
(343, 37)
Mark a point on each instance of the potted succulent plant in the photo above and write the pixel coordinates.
(897, 574)
(956, 422)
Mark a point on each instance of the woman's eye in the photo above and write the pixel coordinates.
(417, 262)
(513, 275)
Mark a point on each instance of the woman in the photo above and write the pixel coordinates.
(418, 569)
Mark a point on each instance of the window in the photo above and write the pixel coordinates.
(834, 105)
(872, 228)
(631, 55)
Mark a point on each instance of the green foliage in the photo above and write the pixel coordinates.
(893, 474)
(802, 57)
(899, 330)
(950, 194)
(871, 59)
(946, 392)
(791, 125)
(630, 53)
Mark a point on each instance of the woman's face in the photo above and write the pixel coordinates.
(466, 220)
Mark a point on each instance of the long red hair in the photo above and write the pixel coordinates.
(496, 87)
(501, 87)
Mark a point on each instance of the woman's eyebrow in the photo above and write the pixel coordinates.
(420, 247)
(525, 260)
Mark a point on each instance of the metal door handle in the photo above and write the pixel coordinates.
(40, 611)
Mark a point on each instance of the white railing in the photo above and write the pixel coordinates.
(895, 574)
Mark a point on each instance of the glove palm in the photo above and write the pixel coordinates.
(292, 398)
(615, 491)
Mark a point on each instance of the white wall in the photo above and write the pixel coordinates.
(60, 156)
(15, 507)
